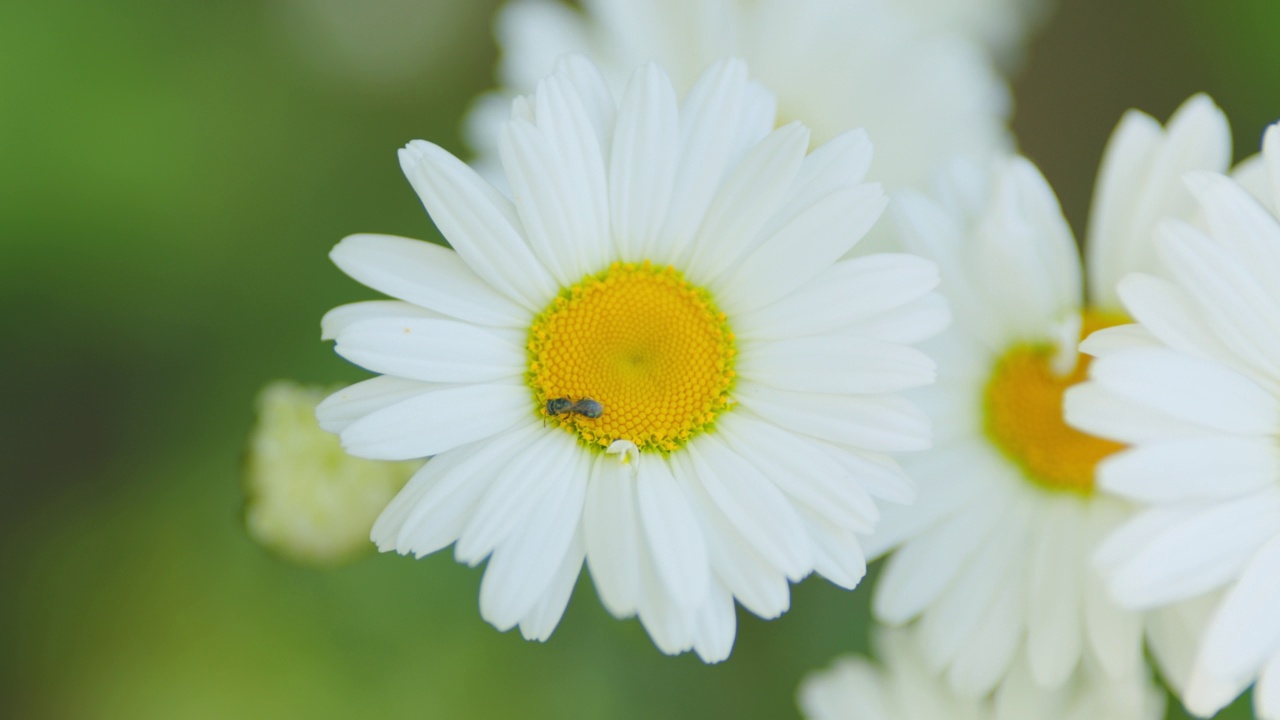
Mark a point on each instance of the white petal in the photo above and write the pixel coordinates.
(1198, 138)
(436, 420)
(715, 625)
(672, 535)
(576, 174)
(1239, 224)
(478, 221)
(592, 91)
(336, 412)
(880, 475)
(642, 165)
(523, 565)
(1199, 554)
(838, 163)
(542, 185)
(1207, 468)
(1266, 694)
(763, 517)
(801, 249)
(837, 554)
(1054, 602)
(1169, 313)
(918, 573)
(546, 613)
(749, 197)
(427, 275)
(431, 350)
(1243, 314)
(708, 120)
(1245, 631)
(1114, 633)
(340, 318)
(611, 530)
(759, 586)
(849, 291)
(835, 364)
(952, 619)
(453, 483)
(1206, 693)
(885, 423)
(1096, 410)
(914, 322)
(949, 478)
(991, 646)
(669, 625)
(516, 491)
(1026, 260)
(801, 470)
(1188, 388)
(1124, 166)
(1111, 340)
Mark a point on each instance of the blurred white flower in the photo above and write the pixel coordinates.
(995, 557)
(678, 267)
(1195, 387)
(921, 94)
(307, 499)
(904, 687)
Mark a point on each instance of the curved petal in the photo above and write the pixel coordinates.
(336, 412)
(886, 423)
(611, 531)
(443, 495)
(516, 491)
(835, 364)
(847, 292)
(344, 316)
(430, 350)
(801, 249)
(747, 199)
(672, 535)
(428, 275)
(523, 565)
(479, 222)
(436, 420)
(643, 162)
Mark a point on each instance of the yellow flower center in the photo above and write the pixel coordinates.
(651, 348)
(1024, 414)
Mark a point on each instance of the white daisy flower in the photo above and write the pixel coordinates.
(922, 94)
(905, 687)
(1195, 387)
(994, 559)
(305, 498)
(652, 358)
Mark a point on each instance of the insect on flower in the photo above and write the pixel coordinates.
(586, 407)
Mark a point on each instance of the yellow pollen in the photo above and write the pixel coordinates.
(1023, 404)
(642, 341)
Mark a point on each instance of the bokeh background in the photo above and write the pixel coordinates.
(172, 176)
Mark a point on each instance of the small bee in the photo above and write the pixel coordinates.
(586, 407)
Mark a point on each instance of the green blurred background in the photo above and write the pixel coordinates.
(172, 176)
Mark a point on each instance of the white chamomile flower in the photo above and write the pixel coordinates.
(305, 498)
(921, 94)
(905, 687)
(652, 357)
(1195, 388)
(995, 557)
